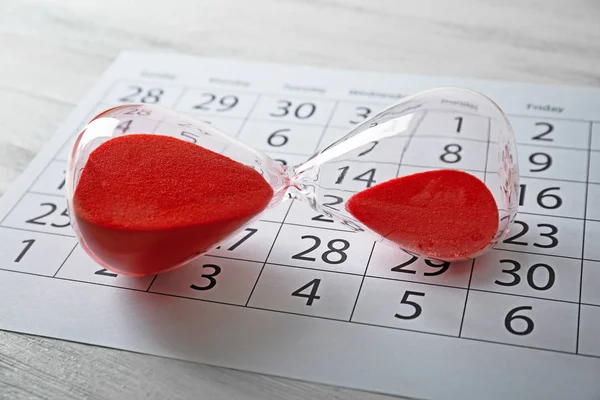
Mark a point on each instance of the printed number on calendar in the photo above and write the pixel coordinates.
(545, 130)
(138, 111)
(210, 277)
(439, 268)
(511, 321)
(322, 217)
(542, 161)
(546, 198)
(105, 272)
(368, 176)
(43, 218)
(278, 138)
(362, 113)
(313, 287)
(334, 255)
(545, 272)
(550, 242)
(452, 153)
(299, 110)
(251, 232)
(138, 94)
(413, 309)
(213, 102)
(28, 243)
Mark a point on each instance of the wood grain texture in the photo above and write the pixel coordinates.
(52, 51)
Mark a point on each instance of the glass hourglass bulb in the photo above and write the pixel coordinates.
(146, 201)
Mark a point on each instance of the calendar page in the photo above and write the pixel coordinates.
(522, 321)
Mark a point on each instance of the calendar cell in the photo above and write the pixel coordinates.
(545, 235)
(590, 283)
(549, 163)
(347, 115)
(454, 126)
(592, 240)
(303, 214)
(144, 92)
(551, 132)
(80, 267)
(408, 305)
(309, 292)
(593, 202)
(389, 261)
(406, 170)
(589, 326)
(230, 126)
(321, 249)
(211, 278)
(251, 244)
(293, 109)
(555, 278)
(33, 252)
(51, 180)
(446, 153)
(545, 324)
(274, 136)
(42, 213)
(595, 166)
(216, 101)
(540, 196)
(354, 176)
(373, 151)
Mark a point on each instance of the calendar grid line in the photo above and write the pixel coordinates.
(408, 141)
(315, 269)
(284, 153)
(245, 121)
(462, 319)
(590, 305)
(151, 283)
(535, 254)
(65, 260)
(470, 289)
(386, 278)
(362, 281)
(315, 316)
(486, 171)
(320, 227)
(487, 150)
(247, 117)
(326, 96)
(585, 203)
(178, 99)
(371, 100)
(308, 315)
(318, 145)
(40, 232)
(337, 113)
(524, 296)
(70, 280)
(268, 255)
(470, 339)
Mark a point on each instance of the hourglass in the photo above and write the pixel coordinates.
(148, 201)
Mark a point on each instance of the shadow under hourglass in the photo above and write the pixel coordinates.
(195, 313)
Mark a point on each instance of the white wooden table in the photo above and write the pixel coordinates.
(52, 51)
